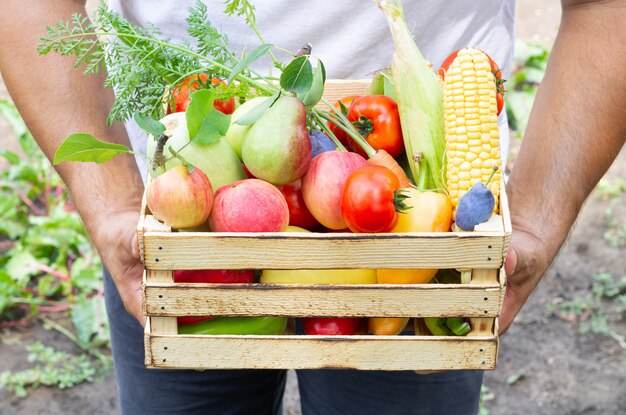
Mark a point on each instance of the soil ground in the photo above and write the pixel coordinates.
(556, 369)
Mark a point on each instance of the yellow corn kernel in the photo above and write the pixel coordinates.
(470, 112)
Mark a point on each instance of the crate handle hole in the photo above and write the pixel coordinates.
(480, 350)
(161, 248)
(486, 298)
(160, 296)
(165, 348)
(156, 259)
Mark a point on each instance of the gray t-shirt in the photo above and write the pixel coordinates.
(350, 36)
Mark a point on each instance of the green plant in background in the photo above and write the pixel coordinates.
(610, 190)
(594, 311)
(47, 262)
(530, 62)
(53, 368)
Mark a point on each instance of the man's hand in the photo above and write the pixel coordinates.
(576, 129)
(525, 265)
(119, 249)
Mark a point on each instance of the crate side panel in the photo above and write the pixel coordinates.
(422, 300)
(335, 89)
(322, 251)
(317, 352)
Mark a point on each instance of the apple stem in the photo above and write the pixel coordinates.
(495, 169)
(158, 160)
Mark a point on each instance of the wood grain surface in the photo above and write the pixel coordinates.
(315, 352)
(421, 300)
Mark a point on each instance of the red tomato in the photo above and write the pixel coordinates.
(376, 118)
(330, 326)
(342, 105)
(299, 214)
(368, 203)
(225, 276)
(495, 70)
(182, 91)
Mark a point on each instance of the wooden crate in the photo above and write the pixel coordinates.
(480, 256)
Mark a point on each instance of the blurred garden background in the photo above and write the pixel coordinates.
(565, 354)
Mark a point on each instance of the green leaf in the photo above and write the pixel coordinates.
(214, 126)
(316, 90)
(87, 148)
(8, 290)
(90, 320)
(514, 378)
(20, 265)
(200, 106)
(255, 113)
(25, 172)
(297, 76)
(248, 59)
(10, 156)
(149, 125)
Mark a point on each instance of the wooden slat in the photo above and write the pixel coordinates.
(159, 325)
(422, 300)
(336, 89)
(199, 250)
(316, 352)
(483, 326)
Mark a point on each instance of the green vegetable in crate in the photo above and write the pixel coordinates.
(450, 326)
(420, 102)
(238, 326)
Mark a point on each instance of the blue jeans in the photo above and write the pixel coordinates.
(225, 392)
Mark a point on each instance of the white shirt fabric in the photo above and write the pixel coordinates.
(351, 37)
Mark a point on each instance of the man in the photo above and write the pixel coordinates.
(575, 131)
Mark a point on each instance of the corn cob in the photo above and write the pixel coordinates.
(471, 124)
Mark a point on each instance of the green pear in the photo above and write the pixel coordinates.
(277, 148)
(217, 160)
(236, 133)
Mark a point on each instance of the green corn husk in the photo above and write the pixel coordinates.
(420, 103)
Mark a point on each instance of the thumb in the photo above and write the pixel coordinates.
(134, 246)
(510, 265)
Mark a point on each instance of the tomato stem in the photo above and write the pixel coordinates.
(363, 125)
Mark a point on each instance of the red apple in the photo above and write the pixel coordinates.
(322, 185)
(179, 198)
(250, 205)
(330, 326)
(225, 276)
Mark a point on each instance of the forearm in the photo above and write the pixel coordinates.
(57, 100)
(577, 125)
